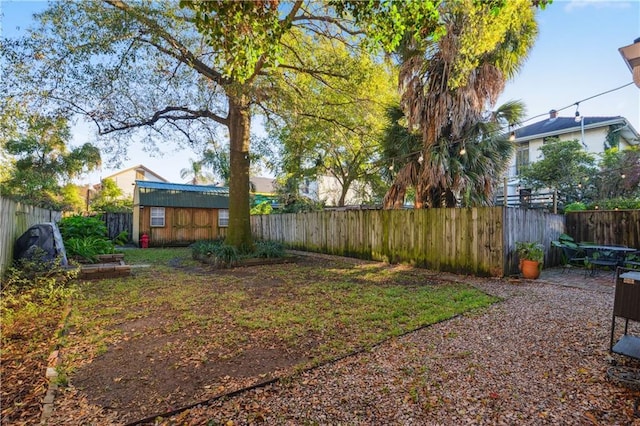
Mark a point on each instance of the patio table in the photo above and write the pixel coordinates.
(604, 255)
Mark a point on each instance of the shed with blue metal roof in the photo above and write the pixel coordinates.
(179, 214)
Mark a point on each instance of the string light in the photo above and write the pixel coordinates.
(578, 118)
(512, 134)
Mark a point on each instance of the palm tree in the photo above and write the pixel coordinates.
(218, 160)
(446, 91)
(195, 173)
(466, 170)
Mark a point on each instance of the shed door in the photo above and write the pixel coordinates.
(182, 226)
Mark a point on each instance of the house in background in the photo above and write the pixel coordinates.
(328, 189)
(263, 189)
(126, 179)
(172, 214)
(590, 131)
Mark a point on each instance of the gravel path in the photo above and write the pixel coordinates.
(538, 357)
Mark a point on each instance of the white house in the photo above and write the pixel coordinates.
(328, 190)
(126, 179)
(590, 131)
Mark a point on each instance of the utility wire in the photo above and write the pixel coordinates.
(580, 101)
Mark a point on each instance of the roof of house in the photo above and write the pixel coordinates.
(560, 125)
(163, 194)
(183, 187)
(139, 166)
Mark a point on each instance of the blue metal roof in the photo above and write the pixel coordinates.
(222, 190)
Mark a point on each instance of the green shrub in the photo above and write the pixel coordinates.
(121, 239)
(85, 237)
(226, 256)
(269, 249)
(262, 208)
(574, 207)
(36, 282)
(81, 227)
(215, 252)
(205, 248)
(616, 204)
(88, 248)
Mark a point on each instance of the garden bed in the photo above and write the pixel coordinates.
(109, 266)
(255, 261)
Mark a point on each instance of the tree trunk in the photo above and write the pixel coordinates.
(239, 233)
(394, 198)
(343, 191)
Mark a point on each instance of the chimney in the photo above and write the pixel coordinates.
(553, 114)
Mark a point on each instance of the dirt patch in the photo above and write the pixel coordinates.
(142, 376)
(155, 366)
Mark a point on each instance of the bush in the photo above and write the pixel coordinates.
(216, 252)
(262, 208)
(35, 282)
(574, 207)
(205, 248)
(87, 249)
(226, 256)
(81, 227)
(616, 204)
(121, 239)
(85, 237)
(269, 249)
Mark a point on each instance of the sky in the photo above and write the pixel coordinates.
(575, 59)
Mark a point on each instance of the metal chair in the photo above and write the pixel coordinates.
(632, 260)
(573, 256)
(597, 257)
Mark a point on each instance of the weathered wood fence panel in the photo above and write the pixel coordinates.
(118, 222)
(531, 225)
(15, 219)
(478, 240)
(605, 226)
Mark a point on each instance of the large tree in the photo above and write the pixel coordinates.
(563, 167)
(471, 167)
(449, 81)
(333, 126)
(39, 162)
(619, 175)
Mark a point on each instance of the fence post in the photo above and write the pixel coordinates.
(505, 192)
(555, 201)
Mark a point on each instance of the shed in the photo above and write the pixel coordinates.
(174, 214)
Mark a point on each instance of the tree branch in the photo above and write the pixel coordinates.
(167, 115)
(181, 52)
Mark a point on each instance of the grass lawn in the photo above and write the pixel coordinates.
(177, 332)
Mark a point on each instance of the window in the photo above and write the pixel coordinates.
(522, 157)
(223, 218)
(157, 217)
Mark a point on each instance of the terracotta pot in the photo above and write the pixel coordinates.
(530, 269)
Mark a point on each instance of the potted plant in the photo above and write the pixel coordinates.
(531, 255)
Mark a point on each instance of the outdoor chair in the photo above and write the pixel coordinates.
(632, 260)
(596, 258)
(573, 256)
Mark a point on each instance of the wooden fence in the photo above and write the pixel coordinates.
(15, 219)
(620, 227)
(479, 241)
(118, 222)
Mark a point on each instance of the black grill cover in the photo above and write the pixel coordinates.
(45, 236)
